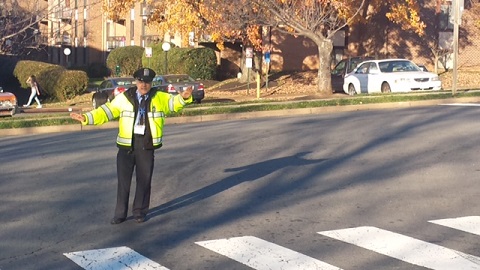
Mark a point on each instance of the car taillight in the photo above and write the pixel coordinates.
(119, 90)
(200, 87)
(171, 89)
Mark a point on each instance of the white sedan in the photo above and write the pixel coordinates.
(389, 75)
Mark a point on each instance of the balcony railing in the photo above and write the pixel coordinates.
(63, 40)
(62, 13)
(115, 42)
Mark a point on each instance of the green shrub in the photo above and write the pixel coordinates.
(128, 58)
(26, 68)
(55, 81)
(48, 79)
(176, 64)
(157, 61)
(199, 63)
(70, 83)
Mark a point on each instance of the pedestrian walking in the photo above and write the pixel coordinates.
(35, 91)
(141, 112)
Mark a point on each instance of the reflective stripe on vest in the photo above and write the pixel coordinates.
(108, 112)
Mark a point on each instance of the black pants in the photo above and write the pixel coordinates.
(142, 161)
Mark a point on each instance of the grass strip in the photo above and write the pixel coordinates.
(240, 107)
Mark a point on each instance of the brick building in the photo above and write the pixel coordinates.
(80, 27)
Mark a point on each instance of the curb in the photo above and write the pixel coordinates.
(245, 115)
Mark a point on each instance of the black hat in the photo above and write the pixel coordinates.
(144, 75)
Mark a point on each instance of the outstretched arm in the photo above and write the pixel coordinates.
(78, 117)
(187, 92)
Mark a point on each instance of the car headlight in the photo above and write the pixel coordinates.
(436, 78)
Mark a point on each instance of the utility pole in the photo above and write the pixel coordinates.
(457, 6)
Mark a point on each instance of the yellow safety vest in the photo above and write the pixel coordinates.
(123, 108)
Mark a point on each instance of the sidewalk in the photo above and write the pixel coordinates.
(244, 115)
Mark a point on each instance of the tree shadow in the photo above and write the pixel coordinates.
(247, 173)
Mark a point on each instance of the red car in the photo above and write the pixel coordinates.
(8, 103)
(172, 83)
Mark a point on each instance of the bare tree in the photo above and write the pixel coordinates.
(25, 24)
(20, 24)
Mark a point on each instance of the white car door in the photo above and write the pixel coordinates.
(362, 76)
(374, 78)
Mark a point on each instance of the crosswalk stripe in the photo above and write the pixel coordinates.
(119, 258)
(469, 224)
(262, 255)
(405, 248)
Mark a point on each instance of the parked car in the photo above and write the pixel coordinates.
(109, 88)
(8, 103)
(422, 67)
(342, 68)
(172, 83)
(389, 75)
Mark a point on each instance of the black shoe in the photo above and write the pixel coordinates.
(117, 220)
(140, 219)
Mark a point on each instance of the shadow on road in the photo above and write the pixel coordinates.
(245, 174)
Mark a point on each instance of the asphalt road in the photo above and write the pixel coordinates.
(279, 185)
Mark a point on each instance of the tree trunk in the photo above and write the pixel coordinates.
(324, 84)
(250, 74)
(243, 67)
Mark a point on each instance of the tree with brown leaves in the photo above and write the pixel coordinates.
(318, 20)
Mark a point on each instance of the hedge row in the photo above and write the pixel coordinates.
(61, 84)
(128, 59)
(55, 81)
(199, 63)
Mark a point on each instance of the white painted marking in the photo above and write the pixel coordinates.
(462, 104)
(262, 255)
(467, 224)
(406, 248)
(119, 258)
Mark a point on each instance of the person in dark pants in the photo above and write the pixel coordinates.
(141, 112)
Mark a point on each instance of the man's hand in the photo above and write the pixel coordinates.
(187, 92)
(78, 117)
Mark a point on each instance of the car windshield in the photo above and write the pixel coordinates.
(353, 64)
(397, 66)
(124, 82)
(178, 79)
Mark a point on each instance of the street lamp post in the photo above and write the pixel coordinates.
(67, 52)
(166, 47)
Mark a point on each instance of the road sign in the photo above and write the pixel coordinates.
(457, 11)
(267, 57)
(249, 62)
(148, 52)
(249, 52)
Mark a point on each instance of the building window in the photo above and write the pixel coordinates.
(115, 42)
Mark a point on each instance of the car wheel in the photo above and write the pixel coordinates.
(351, 90)
(99, 99)
(386, 88)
